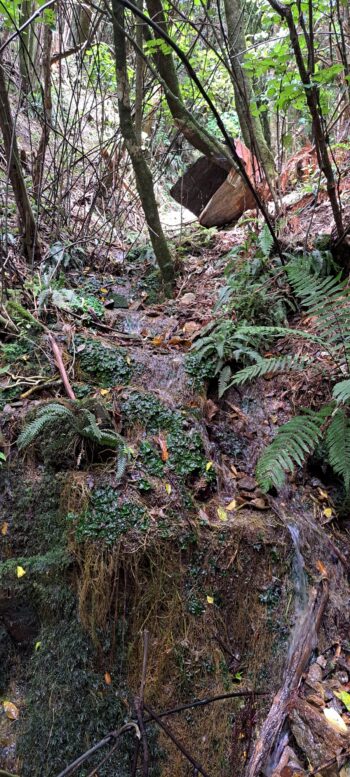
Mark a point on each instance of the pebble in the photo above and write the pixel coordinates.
(188, 299)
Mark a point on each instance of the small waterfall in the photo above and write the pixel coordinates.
(300, 613)
(299, 573)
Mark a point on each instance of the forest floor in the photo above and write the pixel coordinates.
(232, 586)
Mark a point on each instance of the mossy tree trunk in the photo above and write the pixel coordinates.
(26, 49)
(164, 62)
(246, 107)
(15, 173)
(143, 176)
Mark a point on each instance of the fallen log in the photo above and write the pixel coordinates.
(299, 655)
(228, 203)
(215, 195)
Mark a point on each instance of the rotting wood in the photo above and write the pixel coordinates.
(61, 368)
(296, 665)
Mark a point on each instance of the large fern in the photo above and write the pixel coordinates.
(338, 444)
(45, 418)
(71, 422)
(327, 301)
(294, 441)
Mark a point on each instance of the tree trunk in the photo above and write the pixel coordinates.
(38, 166)
(196, 135)
(252, 130)
(26, 49)
(142, 172)
(139, 73)
(312, 99)
(15, 173)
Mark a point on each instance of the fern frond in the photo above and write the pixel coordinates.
(224, 378)
(47, 416)
(265, 241)
(327, 300)
(338, 444)
(341, 391)
(265, 366)
(294, 441)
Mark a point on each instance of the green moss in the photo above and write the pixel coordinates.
(106, 365)
(186, 453)
(150, 459)
(200, 371)
(107, 517)
(55, 561)
(69, 706)
(145, 409)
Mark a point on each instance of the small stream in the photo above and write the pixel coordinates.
(297, 634)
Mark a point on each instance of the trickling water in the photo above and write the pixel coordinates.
(298, 570)
(301, 600)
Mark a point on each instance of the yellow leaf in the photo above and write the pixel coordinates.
(231, 506)
(334, 720)
(11, 711)
(168, 488)
(108, 679)
(4, 528)
(208, 466)
(128, 360)
(328, 512)
(20, 571)
(104, 392)
(222, 514)
(210, 599)
(37, 645)
(103, 290)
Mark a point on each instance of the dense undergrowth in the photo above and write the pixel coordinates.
(114, 523)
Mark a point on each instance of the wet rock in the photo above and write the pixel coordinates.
(317, 740)
(247, 484)
(342, 677)
(314, 674)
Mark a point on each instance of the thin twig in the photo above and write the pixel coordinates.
(176, 742)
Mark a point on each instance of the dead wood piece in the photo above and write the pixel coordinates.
(61, 368)
(300, 652)
(228, 203)
(139, 705)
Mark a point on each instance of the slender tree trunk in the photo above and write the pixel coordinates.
(250, 124)
(142, 172)
(139, 73)
(38, 166)
(311, 94)
(25, 213)
(195, 134)
(25, 59)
